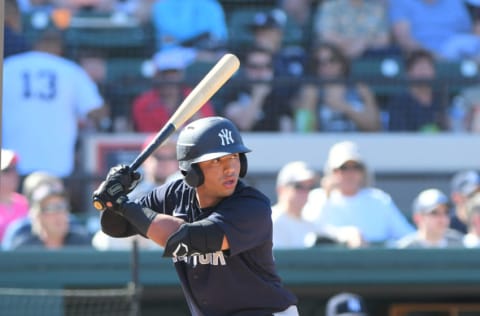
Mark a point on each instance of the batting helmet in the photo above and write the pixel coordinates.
(205, 139)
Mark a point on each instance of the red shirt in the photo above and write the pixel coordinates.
(150, 114)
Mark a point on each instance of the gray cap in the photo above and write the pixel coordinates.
(427, 200)
(465, 182)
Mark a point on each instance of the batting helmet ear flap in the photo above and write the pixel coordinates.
(194, 176)
(243, 165)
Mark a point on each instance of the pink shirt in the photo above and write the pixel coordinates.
(18, 209)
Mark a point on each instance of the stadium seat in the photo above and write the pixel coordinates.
(381, 74)
(117, 37)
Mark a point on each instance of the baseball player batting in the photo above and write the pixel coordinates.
(216, 228)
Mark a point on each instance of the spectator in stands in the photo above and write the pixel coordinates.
(290, 230)
(359, 28)
(48, 97)
(346, 304)
(255, 102)
(153, 108)
(299, 24)
(51, 227)
(288, 61)
(349, 207)
(420, 109)
(23, 225)
(472, 238)
(335, 105)
(466, 108)
(431, 216)
(199, 24)
(463, 185)
(444, 28)
(14, 41)
(13, 205)
(268, 30)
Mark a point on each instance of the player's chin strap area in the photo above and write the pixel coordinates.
(194, 238)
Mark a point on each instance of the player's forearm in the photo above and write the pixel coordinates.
(162, 227)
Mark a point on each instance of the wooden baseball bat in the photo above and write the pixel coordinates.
(201, 93)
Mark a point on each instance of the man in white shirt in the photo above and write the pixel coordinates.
(347, 207)
(294, 182)
(46, 97)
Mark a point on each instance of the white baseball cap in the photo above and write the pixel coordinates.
(342, 152)
(9, 158)
(294, 172)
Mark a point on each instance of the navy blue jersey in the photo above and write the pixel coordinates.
(241, 281)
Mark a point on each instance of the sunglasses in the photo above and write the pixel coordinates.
(56, 207)
(437, 213)
(354, 167)
(302, 187)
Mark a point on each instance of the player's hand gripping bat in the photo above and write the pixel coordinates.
(203, 91)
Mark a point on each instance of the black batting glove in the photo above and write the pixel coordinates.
(112, 193)
(125, 176)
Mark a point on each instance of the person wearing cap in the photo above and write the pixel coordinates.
(290, 230)
(51, 227)
(153, 108)
(464, 184)
(255, 101)
(472, 238)
(346, 304)
(23, 224)
(288, 61)
(431, 216)
(349, 207)
(13, 205)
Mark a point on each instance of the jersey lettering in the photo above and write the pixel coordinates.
(41, 84)
(214, 259)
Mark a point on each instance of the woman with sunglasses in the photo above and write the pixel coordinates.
(329, 102)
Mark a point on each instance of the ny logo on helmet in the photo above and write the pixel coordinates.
(226, 137)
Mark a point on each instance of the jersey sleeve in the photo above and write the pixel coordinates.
(245, 219)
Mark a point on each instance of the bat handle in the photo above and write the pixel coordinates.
(98, 204)
(162, 135)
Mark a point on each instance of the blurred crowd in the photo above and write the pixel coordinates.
(339, 206)
(297, 74)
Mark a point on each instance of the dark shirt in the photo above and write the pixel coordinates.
(406, 114)
(242, 281)
(457, 224)
(24, 238)
(14, 43)
(275, 107)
